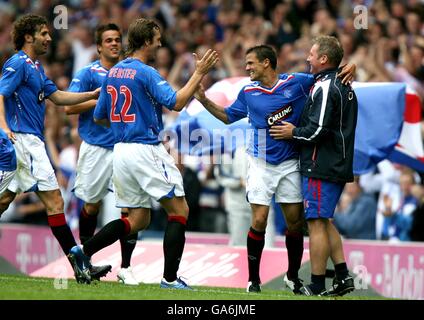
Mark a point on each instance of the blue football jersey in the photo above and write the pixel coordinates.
(266, 107)
(7, 153)
(90, 78)
(25, 86)
(131, 98)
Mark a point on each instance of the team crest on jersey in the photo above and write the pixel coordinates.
(281, 114)
(287, 93)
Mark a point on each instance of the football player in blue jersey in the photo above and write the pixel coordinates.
(273, 164)
(23, 89)
(94, 167)
(7, 162)
(326, 132)
(131, 100)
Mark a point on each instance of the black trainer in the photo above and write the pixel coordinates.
(80, 263)
(307, 291)
(293, 284)
(97, 272)
(341, 287)
(253, 286)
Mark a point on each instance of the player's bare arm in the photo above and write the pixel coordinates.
(202, 67)
(283, 131)
(3, 123)
(216, 110)
(80, 107)
(348, 73)
(70, 98)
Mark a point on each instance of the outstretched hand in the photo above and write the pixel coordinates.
(282, 131)
(207, 62)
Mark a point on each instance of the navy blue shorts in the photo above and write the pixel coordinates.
(320, 197)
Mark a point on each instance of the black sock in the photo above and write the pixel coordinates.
(87, 225)
(107, 235)
(173, 246)
(128, 244)
(294, 245)
(255, 246)
(317, 283)
(61, 231)
(341, 271)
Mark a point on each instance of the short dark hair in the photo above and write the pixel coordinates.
(27, 24)
(264, 52)
(102, 29)
(140, 32)
(329, 46)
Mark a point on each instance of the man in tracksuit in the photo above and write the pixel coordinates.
(326, 132)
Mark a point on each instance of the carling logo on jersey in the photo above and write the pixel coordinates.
(279, 115)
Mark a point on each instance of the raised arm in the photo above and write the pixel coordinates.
(216, 110)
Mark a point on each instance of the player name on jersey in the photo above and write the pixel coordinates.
(122, 73)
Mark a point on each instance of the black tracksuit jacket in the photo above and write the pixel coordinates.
(327, 130)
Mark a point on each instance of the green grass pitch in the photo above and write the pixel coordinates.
(32, 288)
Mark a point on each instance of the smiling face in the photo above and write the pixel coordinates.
(40, 41)
(111, 45)
(314, 60)
(326, 53)
(254, 67)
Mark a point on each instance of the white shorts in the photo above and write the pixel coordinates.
(94, 173)
(264, 180)
(142, 172)
(34, 171)
(5, 178)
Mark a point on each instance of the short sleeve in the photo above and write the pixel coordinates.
(306, 81)
(238, 109)
(160, 89)
(49, 87)
(13, 75)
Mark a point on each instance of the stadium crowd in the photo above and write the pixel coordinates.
(390, 48)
